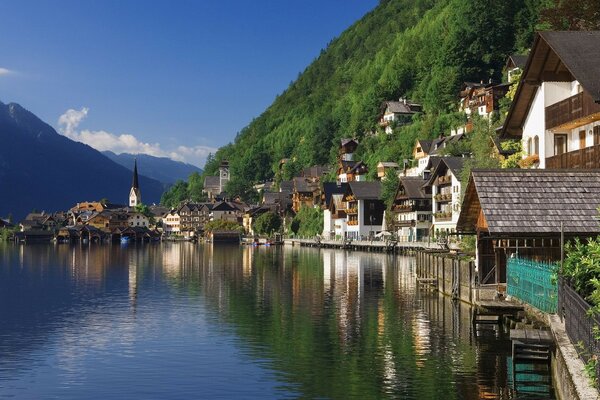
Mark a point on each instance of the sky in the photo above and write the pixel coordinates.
(167, 78)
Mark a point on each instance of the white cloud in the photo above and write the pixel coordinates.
(125, 143)
(6, 71)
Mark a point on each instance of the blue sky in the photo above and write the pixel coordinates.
(172, 78)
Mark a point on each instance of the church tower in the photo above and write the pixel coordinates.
(135, 196)
(223, 174)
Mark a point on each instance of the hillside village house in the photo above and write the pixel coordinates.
(425, 150)
(514, 65)
(307, 192)
(395, 113)
(481, 98)
(446, 194)
(228, 211)
(135, 218)
(348, 169)
(556, 110)
(412, 209)
(364, 209)
(384, 166)
(520, 211)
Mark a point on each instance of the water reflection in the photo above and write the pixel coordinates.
(178, 319)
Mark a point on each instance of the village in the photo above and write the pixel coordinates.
(512, 222)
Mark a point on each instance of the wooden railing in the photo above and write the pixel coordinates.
(586, 158)
(570, 110)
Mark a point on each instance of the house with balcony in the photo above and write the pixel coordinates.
(556, 110)
(446, 194)
(364, 209)
(481, 98)
(396, 113)
(306, 193)
(412, 209)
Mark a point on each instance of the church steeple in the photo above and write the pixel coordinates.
(135, 184)
(135, 196)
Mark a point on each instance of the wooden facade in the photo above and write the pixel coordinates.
(588, 158)
(572, 112)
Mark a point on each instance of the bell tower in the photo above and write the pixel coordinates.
(223, 174)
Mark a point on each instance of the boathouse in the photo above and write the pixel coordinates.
(520, 212)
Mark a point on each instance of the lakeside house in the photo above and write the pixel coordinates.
(334, 210)
(412, 209)
(520, 212)
(364, 209)
(446, 194)
(556, 110)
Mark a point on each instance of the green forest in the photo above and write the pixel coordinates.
(419, 49)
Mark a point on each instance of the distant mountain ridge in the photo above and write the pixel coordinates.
(162, 169)
(42, 169)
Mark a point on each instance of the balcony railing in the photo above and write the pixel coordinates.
(351, 211)
(572, 112)
(404, 224)
(403, 208)
(443, 216)
(444, 179)
(586, 158)
(443, 197)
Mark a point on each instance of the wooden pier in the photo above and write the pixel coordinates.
(387, 245)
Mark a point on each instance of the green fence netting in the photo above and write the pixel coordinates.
(533, 282)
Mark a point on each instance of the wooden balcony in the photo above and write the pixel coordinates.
(586, 158)
(572, 112)
(404, 224)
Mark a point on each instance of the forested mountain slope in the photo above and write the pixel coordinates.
(421, 49)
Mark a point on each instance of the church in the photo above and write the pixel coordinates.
(135, 195)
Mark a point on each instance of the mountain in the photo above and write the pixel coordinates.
(40, 169)
(420, 49)
(162, 169)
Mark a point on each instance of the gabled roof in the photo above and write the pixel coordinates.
(516, 61)
(331, 188)
(401, 107)
(561, 56)
(302, 185)
(387, 164)
(532, 201)
(413, 187)
(224, 206)
(425, 145)
(365, 190)
(454, 164)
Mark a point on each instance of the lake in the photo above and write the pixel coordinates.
(189, 321)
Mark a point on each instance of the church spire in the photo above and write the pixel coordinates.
(135, 184)
(135, 196)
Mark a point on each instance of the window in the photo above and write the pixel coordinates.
(597, 135)
(560, 144)
(536, 145)
(582, 139)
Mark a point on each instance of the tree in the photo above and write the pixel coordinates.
(580, 15)
(237, 187)
(389, 187)
(175, 195)
(223, 225)
(308, 221)
(195, 187)
(267, 223)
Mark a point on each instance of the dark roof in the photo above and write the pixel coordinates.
(533, 201)
(454, 164)
(302, 185)
(578, 50)
(315, 171)
(224, 206)
(365, 190)
(413, 187)
(212, 182)
(425, 145)
(286, 186)
(331, 188)
(561, 56)
(344, 142)
(517, 60)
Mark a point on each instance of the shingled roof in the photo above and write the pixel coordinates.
(413, 187)
(532, 201)
(366, 190)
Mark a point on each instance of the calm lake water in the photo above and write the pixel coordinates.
(186, 321)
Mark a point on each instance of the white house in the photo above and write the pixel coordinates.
(446, 194)
(555, 112)
(135, 218)
(334, 210)
(172, 223)
(364, 209)
(395, 113)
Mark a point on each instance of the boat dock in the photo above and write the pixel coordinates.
(387, 245)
